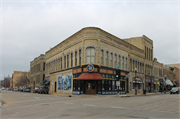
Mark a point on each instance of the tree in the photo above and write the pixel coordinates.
(23, 80)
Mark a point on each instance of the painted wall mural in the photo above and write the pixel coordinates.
(64, 82)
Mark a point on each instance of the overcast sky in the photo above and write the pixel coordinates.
(32, 27)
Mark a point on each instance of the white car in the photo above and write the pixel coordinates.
(7, 88)
(2, 88)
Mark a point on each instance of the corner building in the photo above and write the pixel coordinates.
(93, 61)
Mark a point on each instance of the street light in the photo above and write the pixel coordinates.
(135, 82)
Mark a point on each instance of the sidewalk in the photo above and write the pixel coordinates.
(120, 95)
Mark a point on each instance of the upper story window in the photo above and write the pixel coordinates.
(102, 56)
(107, 58)
(67, 61)
(64, 61)
(79, 57)
(115, 60)
(90, 55)
(75, 58)
(111, 59)
(71, 59)
(122, 62)
(145, 52)
(119, 60)
(126, 63)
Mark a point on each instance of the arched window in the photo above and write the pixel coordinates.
(79, 57)
(115, 61)
(122, 62)
(111, 59)
(90, 55)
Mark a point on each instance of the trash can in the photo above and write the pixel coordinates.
(144, 91)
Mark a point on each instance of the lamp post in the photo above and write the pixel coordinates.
(135, 82)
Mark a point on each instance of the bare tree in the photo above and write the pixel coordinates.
(22, 80)
(6, 82)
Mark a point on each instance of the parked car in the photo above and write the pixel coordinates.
(2, 88)
(20, 89)
(43, 90)
(27, 89)
(35, 90)
(175, 90)
(7, 88)
(15, 89)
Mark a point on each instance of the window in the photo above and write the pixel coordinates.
(75, 58)
(149, 54)
(67, 61)
(145, 52)
(103, 85)
(126, 63)
(102, 56)
(44, 66)
(111, 59)
(61, 63)
(71, 59)
(122, 62)
(64, 61)
(130, 64)
(90, 55)
(79, 57)
(138, 67)
(107, 58)
(119, 60)
(115, 61)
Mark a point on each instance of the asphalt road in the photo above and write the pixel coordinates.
(32, 106)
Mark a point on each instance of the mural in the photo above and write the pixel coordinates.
(64, 82)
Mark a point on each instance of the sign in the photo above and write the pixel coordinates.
(118, 67)
(90, 68)
(117, 83)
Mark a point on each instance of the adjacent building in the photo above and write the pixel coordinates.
(37, 72)
(20, 78)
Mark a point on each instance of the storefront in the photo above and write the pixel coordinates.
(137, 84)
(93, 79)
(149, 83)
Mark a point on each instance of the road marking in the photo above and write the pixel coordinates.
(119, 107)
(36, 97)
(89, 105)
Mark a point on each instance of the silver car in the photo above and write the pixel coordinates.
(27, 89)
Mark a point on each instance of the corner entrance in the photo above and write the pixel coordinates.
(90, 87)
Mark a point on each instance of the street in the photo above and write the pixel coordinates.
(32, 106)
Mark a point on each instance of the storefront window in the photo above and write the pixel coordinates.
(113, 85)
(106, 85)
(93, 85)
(102, 84)
(99, 85)
(88, 85)
(109, 84)
(78, 85)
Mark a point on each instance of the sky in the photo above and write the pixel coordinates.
(31, 27)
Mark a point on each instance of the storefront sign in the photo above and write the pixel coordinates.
(90, 68)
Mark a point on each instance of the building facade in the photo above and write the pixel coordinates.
(113, 60)
(37, 71)
(20, 78)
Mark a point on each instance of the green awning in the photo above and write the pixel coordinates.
(47, 83)
(43, 82)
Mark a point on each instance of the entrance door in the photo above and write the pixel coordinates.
(55, 87)
(91, 87)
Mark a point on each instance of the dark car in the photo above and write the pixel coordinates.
(43, 90)
(20, 89)
(175, 90)
(35, 90)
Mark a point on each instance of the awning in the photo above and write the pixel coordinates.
(173, 82)
(90, 76)
(43, 82)
(168, 82)
(47, 83)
